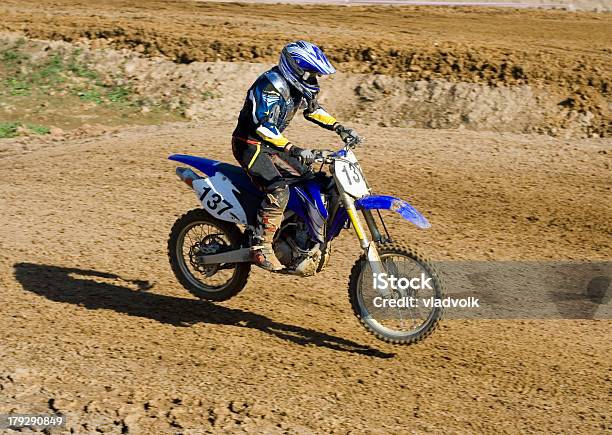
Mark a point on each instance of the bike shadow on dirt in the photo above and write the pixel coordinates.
(96, 290)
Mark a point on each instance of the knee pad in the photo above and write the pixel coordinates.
(278, 197)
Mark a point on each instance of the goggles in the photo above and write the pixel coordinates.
(311, 75)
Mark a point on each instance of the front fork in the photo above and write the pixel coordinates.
(368, 246)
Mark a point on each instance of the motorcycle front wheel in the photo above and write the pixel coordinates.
(197, 233)
(418, 317)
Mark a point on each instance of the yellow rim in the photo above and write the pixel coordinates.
(254, 156)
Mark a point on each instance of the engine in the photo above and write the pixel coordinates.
(296, 250)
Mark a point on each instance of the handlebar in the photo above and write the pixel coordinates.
(352, 142)
(328, 157)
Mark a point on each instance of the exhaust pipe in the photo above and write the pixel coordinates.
(187, 176)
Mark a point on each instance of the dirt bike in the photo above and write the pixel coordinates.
(210, 247)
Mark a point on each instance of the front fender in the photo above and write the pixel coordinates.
(384, 202)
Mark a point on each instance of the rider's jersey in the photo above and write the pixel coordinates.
(270, 105)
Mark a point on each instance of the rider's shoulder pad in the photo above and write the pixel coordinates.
(279, 83)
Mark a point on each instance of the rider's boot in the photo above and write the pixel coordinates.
(269, 219)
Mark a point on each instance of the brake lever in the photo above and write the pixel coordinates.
(326, 160)
(354, 142)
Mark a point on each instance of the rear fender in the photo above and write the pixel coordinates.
(384, 202)
(226, 194)
(208, 166)
(219, 198)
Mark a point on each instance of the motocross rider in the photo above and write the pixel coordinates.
(258, 144)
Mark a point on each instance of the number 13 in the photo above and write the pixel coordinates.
(351, 177)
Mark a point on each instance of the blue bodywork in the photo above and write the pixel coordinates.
(339, 221)
(384, 202)
(211, 167)
(304, 198)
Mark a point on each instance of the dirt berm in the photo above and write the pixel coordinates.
(564, 54)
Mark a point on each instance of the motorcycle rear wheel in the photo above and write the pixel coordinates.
(210, 235)
(361, 294)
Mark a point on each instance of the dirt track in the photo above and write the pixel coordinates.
(94, 324)
(567, 54)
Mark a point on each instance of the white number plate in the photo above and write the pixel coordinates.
(349, 175)
(218, 198)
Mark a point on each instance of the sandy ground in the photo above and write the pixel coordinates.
(585, 5)
(94, 324)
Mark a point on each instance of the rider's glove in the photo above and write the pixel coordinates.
(348, 135)
(307, 157)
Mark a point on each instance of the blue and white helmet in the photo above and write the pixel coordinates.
(300, 63)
